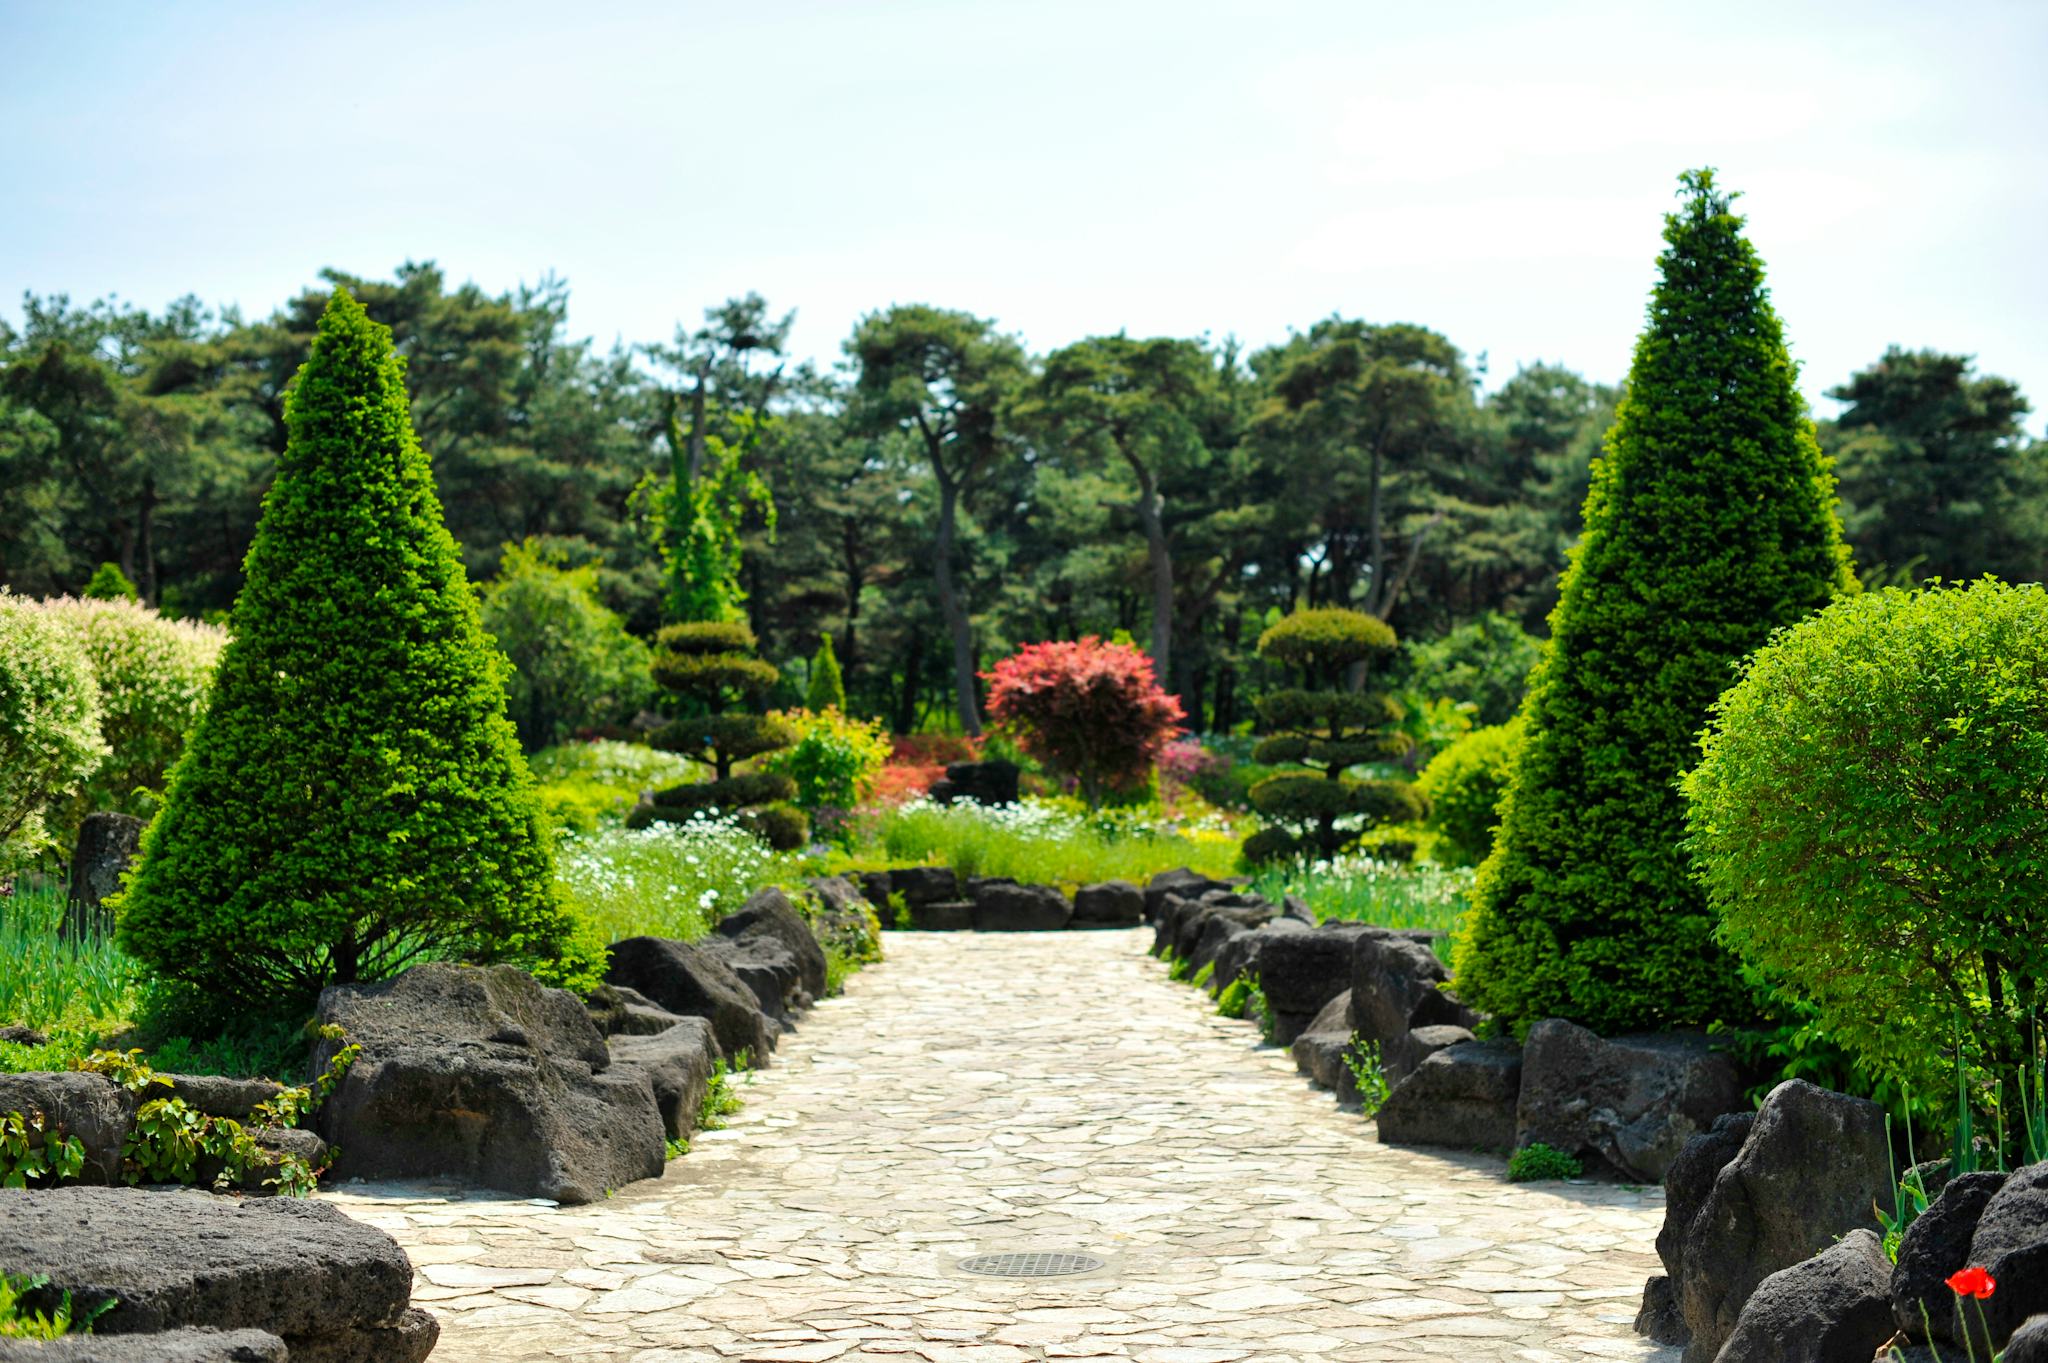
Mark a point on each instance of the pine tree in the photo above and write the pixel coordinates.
(1710, 523)
(1326, 727)
(828, 687)
(354, 799)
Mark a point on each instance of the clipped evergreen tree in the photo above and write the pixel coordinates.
(354, 799)
(828, 686)
(710, 665)
(1327, 727)
(109, 583)
(1710, 523)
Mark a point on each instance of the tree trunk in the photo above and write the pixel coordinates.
(913, 669)
(1152, 515)
(695, 468)
(955, 613)
(146, 550)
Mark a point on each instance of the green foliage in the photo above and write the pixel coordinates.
(1870, 819)
(1235, 997)
(354, 800)
(154, 676)
(1368, 1073)
(49, 724)
(34, 1153)
(574, 666)
(68, 986)
(584, 784)
(666, 882)
(1710, 523)
(828, 687)
(1537, 1162)
(834, 760)
(1329, 730)
(20, 1321)
(1039, 843)
(696, 521)
(1200, 979)
(1483, 663)
(109, 583)
(1464, 784)
(709, 665)
(1362, 888)
(721, 1099)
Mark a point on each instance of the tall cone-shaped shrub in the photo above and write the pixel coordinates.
(354, 799)
(1710, 523)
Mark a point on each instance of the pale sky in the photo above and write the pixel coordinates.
(1495, 171)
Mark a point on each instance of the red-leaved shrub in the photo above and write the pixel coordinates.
(1089, 710)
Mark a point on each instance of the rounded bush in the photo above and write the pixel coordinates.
(706, 636)
(731, 677)
(109, 583)
(154, 677)
(833, 759)
(49, 724)
(574, 666)
(1870, 818)
(1325, 642)
(1464, 784)
(1088, 710)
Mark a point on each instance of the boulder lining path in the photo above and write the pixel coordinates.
(1034, 1092)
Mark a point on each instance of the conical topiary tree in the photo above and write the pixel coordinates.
(711, 665)
(1327, 727)
(828, 687)
(354, 798)
(1710, 523)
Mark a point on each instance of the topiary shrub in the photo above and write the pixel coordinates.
(574, 666)
(49, 724)
(109, 583)
(711, 665)
(827, 690)
(354, 799)
(1326, 727)
(1870, 818)
(154, 675)
(1463, 785)
(1710, 523)
(1088, 711)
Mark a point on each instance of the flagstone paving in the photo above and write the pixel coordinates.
(1035, 1092)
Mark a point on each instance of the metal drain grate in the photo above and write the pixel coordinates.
(1030, 1265)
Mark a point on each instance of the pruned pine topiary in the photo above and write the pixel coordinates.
(828, 686)
(354, 799)
(712, 667)
(1710, 523)
(1326, 727)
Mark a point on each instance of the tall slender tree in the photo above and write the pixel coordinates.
(1710, 523)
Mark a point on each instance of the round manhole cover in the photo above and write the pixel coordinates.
(1030, 1265)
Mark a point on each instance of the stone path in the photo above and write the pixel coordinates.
(1029, 1092)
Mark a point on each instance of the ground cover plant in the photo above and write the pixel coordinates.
(584, 784)
(1362, 888)
(355, 799)
(67, 987)
(1042, 842)
(670, 880)
(1711, 522)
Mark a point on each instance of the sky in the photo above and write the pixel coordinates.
(1498, 172)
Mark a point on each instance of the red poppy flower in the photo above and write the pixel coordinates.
(1972, 1282)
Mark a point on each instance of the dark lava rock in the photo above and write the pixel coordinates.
(1687, 1184)
(169, 1346)
(846, 918)
(1181, 881)
(1658, 1316)
(23, 1036)
(1463, 1097)
(485, 1076)
(1810, 1171)
(924, 884)
(1301, 972)
(169, 1259)
(1020, 908)
(1239, 954)
(618, 1011)
(946, 915)
(89, 1106)
(2029, 1343)
(217, 1095)
(767, 969)
(1109, 904)
(769, 914)
(1217, 926)
(1296, 908)
(993, 782)
(2011, 1242)
(1831, 1308)
(107, 844)
(1319, 1049)
(409, 1341)
(1397, 985)
(678, 1065)
(1624, 1106)
(1399, 1057)
(1935, 1246)
(685, 979)
(874, 885)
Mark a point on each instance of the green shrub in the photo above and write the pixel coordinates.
(711, 667)
(1463, 785)
(154, 675)
(49, 724)
(834, 760)
(355, 799)
(827, 690)
(109, 583)
(585, 785)
(1327, 728)
(1536, 1162)
(1710, 523)
(1870, 817)
(1483, 663)
(574, 666)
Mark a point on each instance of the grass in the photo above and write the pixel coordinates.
(69, 988)
(672, 880)
(1041, 842)
(1387, 894)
